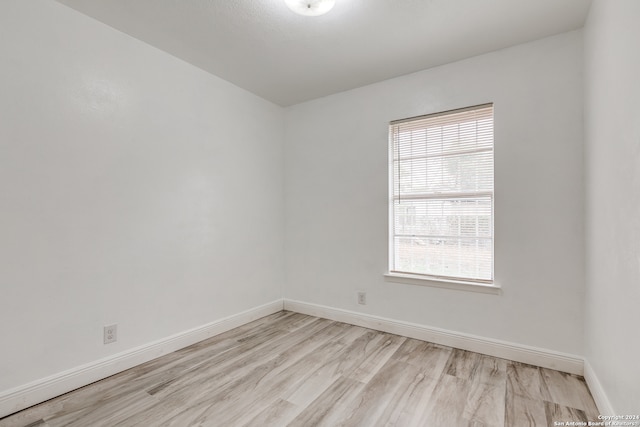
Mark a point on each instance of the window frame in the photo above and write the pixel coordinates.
(474, 284)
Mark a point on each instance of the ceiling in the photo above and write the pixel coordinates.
(263, 47)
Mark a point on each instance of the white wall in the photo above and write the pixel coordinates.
(134, 189)
(612, 116)
(336, 195)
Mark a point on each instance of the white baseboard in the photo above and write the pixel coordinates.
(600, 397)
(22, 397)
(506, 350)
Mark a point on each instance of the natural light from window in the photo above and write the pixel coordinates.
(441, 195)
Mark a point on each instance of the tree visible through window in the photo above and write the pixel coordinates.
(441, 195)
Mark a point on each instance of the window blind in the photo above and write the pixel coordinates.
(441, 188)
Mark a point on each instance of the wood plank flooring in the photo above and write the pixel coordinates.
(290, 369)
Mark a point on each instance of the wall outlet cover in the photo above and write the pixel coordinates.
(362, 298)
(110, 334)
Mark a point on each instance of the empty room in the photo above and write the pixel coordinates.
(319, 213)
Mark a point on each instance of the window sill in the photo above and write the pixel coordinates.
(414, 279)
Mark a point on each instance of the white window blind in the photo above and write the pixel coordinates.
(441, 188)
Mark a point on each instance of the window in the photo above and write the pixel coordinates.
(441, 195)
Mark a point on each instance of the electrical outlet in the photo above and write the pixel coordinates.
(362, 298)
(110, 334)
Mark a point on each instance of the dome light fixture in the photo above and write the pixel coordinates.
(310, 7)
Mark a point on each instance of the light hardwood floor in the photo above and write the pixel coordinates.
(290, 369)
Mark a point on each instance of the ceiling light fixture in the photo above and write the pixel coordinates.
(310, 7)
